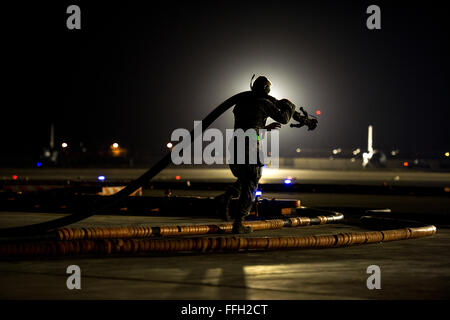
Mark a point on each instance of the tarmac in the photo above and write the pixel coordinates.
(394, 177)
(410, 269)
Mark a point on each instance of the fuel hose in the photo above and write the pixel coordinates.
(126, 247)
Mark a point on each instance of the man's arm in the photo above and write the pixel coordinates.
(279, 110)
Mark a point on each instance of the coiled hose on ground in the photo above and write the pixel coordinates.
(118, 241)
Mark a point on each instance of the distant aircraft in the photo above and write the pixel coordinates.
(373, 157)
(50, 153)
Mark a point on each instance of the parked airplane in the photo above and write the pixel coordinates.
(373, 157)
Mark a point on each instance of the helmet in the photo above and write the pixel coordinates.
(261, 85)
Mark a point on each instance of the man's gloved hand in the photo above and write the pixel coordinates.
(273, 125)
(298, 116)
(304, 120)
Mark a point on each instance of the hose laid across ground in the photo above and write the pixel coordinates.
(129, 232)
(207, 244)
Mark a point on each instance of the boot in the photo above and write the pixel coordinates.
(239, 228)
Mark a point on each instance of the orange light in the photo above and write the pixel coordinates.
(177, 177)
(318, 112)
(405, 164)
(14, 177)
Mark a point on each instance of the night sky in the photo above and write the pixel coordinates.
(135, 71)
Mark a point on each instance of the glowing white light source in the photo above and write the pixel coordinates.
(101, 178)
(287, 181)
(258, 193)
(64, 145)
(169, 145)
(298, 150)
(336, 151)
(115, 145)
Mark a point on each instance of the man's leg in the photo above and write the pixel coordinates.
(233, 191)
(224, 200)
(249, 184)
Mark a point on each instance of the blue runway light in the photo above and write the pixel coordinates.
(258, 193)
(101, 178)
(39, 164)
(287, 181)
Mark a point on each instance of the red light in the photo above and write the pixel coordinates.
(177, 177)
(318, 112)
(14, 177)
(405, 164)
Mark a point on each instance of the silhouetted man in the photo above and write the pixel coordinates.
(251, 112)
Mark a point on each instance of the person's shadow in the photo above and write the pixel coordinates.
(222, 280)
